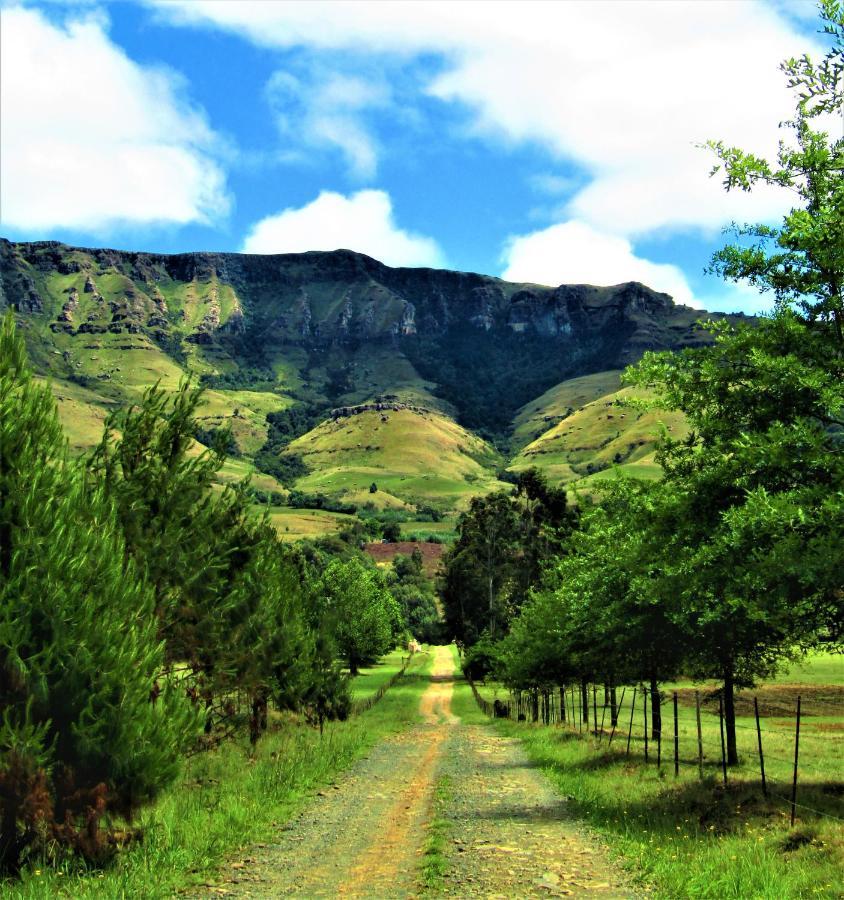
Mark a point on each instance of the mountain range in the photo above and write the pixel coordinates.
(375, 387)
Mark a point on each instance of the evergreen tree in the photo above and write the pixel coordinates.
(88, 725)
(227, 595)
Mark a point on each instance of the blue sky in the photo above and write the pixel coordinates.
(538, 141)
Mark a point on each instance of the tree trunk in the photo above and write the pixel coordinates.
(613, 707)
(730, 716)
(656, 710)
(562, 704)
(353, 664)
(584, 699)
(9, 844)
(491, 605)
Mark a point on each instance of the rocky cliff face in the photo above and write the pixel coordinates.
(319, 299)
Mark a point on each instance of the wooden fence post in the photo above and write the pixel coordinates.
(759, 742)
(723, 748)
(603, 716)
(632, 713)
(595, 708)
(584, 697)
(796, 754)
(615, 719)
(659, 733)
(699, 736)
(676, 740)
(579, 708)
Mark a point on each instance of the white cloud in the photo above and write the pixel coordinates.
(624, 90)
(739, 297)
(575, 253)
(327, 110)
(91, 139)
(363, 222)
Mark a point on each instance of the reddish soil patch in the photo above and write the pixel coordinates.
(431, 553)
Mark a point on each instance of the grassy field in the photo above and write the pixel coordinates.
(295, 524)
(384, 554)
(228, 800)
(371, 678)
(693, 837)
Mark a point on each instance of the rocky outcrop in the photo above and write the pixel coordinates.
(344, 412)
(293, 299)
(69, 307)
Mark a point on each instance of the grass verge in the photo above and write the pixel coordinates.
(228, 801)
(684, 837)
(371, 678)
(435, 857)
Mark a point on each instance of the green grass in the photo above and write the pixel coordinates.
(371, 678)
(598, 436)
(414, 457)
(541, 414)
(295, 524)
(689, 837)
(227, 801)
(435, 858)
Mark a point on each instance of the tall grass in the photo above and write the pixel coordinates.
(228, 800)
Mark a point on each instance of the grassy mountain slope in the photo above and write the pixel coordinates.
(541, 414)
(414, 456)
(603, 433)
(441, 367)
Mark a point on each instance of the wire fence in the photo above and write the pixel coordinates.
(800, 755)
(361, 706)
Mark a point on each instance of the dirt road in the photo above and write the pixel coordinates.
(510, 835)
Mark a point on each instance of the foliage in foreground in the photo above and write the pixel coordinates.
(227, 799)
(144, 616)
(81, 736)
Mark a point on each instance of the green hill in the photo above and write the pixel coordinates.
(415, 456)
(604, 433)
(332, 371)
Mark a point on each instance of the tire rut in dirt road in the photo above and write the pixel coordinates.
(512, 834)
(364, 837)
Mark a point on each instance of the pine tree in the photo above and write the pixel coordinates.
(87, 726)
(228, 597)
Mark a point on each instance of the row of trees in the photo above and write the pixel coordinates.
(146, 613)
(503, 541)
(733, 563)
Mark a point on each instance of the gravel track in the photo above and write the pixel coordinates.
(510, 835)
